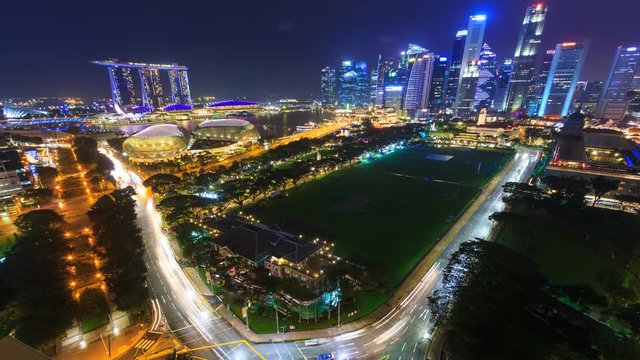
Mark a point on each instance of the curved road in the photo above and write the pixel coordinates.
(402, 334)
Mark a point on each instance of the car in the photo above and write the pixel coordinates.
(326, 356)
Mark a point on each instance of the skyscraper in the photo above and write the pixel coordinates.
(534, 95)
(465, 102)
(123, 91)
(502, 82)
(438, 84)
(614, 102)
(419, 83)
(587, 97)
(353, 82)
(419, 66)
(373, 86)
(454, 68)
(328, 84)
(487, 78)
(470, 58)
(566, 67)
(393, 81)
(524, 61)
(152, 95)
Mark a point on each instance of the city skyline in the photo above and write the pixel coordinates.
(275, 38)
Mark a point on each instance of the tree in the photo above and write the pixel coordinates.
(38, 220)
(47, 175)
(159, 182)
(86, 149)
(602, 185)
(40, 306)
(567, 191)
(481, 304)
(120, 246)
(39, 196)
(237, 190)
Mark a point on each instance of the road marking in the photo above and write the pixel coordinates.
(144, 344)
(300, 351)
(278, 352)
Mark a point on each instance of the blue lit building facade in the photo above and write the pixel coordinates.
(393, 80)
(437, 95)
(534, 95)
(123, 89)
(614, 99)
(524, 60)
(455, 65)
(419, 63)
(353, 83)
(328, 86)
(470, 58)
(564, 73)
(487, 78)
(502, 83)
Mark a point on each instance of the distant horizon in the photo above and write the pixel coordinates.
(275, 50)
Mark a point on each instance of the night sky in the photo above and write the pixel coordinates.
(257, 49)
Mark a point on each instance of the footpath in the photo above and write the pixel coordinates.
(400, 294)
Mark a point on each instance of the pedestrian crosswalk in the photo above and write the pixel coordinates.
(144, 344)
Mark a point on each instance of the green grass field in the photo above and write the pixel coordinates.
(391, 210)
(562, 252)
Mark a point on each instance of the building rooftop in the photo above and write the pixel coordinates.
(224, 122)
(160, 130)
(232, 103)
(257, 242)
(11, 348)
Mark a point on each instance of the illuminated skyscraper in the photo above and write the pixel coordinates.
(470, 58)
(419, 83)
(392, 80)
(419, 64)
(123, 91)
(566, 67)
(614, 100)
(534, 95)
(328, 83)
(373, 87)
(454, 68)
(524, 61)
(465, 102)
(587, 97)
(152, 95)
(502, 82)
(487, 78)
(353, 83)
(438, 84)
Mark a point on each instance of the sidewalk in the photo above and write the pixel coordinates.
(400, 294)
(97, 350)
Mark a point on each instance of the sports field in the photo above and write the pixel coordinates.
(387, 213)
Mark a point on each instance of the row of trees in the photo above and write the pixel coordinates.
(35, 299)
(86, 150)
(121, 248)
(495, 304)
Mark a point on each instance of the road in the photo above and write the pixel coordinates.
(403, 333)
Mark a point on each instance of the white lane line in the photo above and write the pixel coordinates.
(278, 352)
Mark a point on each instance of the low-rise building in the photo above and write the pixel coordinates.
(283, 254)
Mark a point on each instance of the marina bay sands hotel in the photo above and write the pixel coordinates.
(152, 95)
